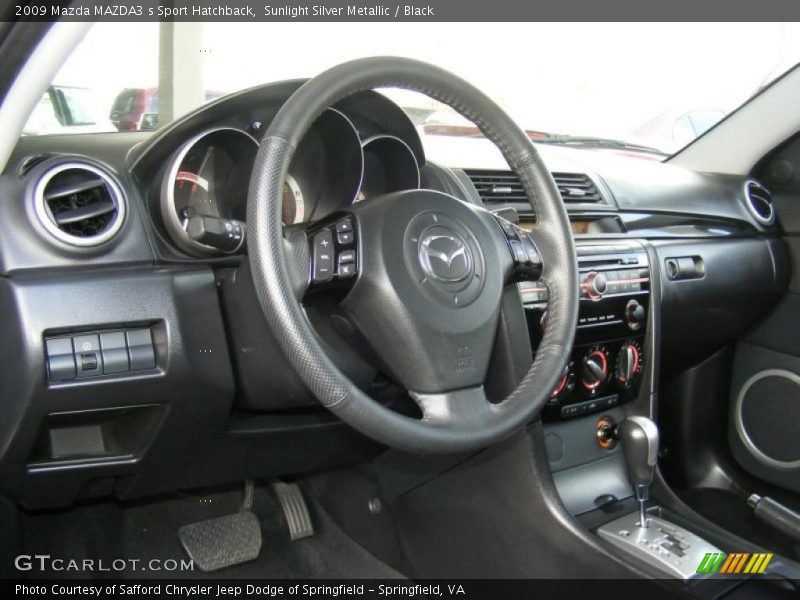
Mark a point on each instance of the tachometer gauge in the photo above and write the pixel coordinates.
(389, 166)
(294, 206)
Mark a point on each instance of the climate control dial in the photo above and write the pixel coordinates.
(566, 384)
(630, 362)
(594, 368)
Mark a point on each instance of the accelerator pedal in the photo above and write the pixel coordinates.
(225, 541)
(294, 509)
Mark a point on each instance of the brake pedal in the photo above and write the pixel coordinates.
(295, 510)
(222, 542)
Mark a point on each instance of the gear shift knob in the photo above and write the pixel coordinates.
(639, 438)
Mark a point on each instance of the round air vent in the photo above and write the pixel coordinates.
(759, 202)
(79, 204)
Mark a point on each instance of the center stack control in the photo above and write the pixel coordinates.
(609, 355)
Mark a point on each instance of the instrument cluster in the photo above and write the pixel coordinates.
(203, 196)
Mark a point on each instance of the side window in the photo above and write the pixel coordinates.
(78, 106)
(43, 119)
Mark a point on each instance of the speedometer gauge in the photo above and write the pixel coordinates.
(207, 180)
(204, 195)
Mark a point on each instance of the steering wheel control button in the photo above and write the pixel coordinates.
(346, 270)
(60, 359)
(518, 251)
(344, 237)
(531, 252)
(527, 260)
(114, 352)
(334, 256)
(323, 257)
(344, 226)
(87, 355)
(141, 351)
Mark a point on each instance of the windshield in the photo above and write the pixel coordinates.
(654, 86)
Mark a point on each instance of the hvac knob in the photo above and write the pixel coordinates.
(594, 369)
(634, 314)
(565, 384)
(595, 285)
(629, 363)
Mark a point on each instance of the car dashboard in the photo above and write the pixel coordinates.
(136, 359)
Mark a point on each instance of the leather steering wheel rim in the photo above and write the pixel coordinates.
(276, 285)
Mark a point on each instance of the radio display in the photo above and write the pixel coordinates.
(583, 226)
(579, 226)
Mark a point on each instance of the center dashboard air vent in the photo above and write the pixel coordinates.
(759, 202)
(504, 187)
(79, 204)
(577, 188)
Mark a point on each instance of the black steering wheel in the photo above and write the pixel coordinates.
(430, 272)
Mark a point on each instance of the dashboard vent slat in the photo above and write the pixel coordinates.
(504, 187)
(54, 192)
(577, 188)
(79, 204)
(84, 212)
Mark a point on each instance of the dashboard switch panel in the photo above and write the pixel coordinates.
(114, 352)
(140, 349)
(87, 355)
(93, 354)
(60, 359)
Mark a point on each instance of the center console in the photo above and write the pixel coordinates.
(601, 446)
(601, 443)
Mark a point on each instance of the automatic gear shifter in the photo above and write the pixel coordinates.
(639, 439)
(668, 546)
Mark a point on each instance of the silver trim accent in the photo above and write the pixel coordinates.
(46, 219)
(739, 419)
(379, 136)
(650, 430)
(751, 207)
(648, 544)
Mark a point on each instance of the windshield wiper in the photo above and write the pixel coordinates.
(596, 142)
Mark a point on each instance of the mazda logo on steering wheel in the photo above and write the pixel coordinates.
(445, 257)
